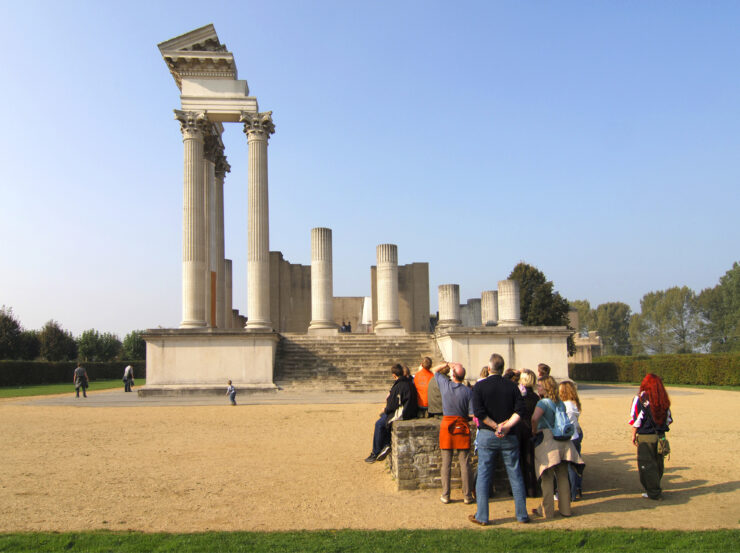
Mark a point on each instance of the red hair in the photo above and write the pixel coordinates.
(652, 386)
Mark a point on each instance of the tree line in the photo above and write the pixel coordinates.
(676, 320)
(53, 343)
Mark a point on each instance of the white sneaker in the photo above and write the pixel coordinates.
(646, 496)
(556, 497)
(444, 499)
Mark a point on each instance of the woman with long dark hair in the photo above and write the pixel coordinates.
(650, 417)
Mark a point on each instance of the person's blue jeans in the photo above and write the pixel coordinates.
(382, 434)
(575, 480)
(488, 448)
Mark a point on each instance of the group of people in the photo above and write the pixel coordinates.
(346, 327)
(81, 380)
(531, 420)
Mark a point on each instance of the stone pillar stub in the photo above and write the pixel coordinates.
(449, 306)
(474, 310)
(258, 127)
(194, 262)
(489, 308)
(388, 322)
(322, 288)
(508, 303)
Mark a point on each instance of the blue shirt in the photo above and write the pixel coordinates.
(456, 397)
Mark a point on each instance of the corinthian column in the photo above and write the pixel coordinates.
(192, 125)
(223, 310)
(489, 308)
(449, 306)
(210, 152)
(258, 127)
(322, 293)
(508, 303)
(387, 287)
(229, 301)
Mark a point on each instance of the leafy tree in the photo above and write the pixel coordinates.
(134, 346)
(720, 309)
(87, 345)
(109, 347)
(669, 322)
(539, 304)
(612, 320)
(585, 315)
(29, 346)
(10, 331)
(57, 344)
(93, 346)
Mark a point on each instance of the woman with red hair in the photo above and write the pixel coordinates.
(650, 417)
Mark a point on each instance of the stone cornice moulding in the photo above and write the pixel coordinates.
(198, 53)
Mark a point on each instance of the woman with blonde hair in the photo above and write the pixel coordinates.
(569, 395)
(551, 455)
(527, 381)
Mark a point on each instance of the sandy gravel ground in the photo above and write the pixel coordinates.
(286, 467)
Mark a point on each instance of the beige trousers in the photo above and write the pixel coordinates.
(559, 471)
(463, 456)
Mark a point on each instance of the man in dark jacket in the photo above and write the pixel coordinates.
(400, 404)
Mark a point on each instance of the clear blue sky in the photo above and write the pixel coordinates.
(598, 141)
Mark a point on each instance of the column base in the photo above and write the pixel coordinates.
(322, 331)
(510, 323)
(261, 326)
(449, 323)
(389, 328)
(192, 324)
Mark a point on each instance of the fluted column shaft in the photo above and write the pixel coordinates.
(209, 161)
(228, 295)
(223, 310)
(489, 308)
(449, 305)
(258, 128)
(322, 289)
(387, 287)
(194, 261)
(509, 303)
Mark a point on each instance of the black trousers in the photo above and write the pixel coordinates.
(649, 464)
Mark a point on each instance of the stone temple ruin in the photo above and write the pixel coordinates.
(290, 335)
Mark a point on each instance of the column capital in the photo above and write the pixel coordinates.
(222, 166)
(257, 126)
(193, 124)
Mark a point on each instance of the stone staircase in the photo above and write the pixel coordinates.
(348, 362)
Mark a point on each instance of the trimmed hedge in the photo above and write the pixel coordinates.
(715, 369)
(30, 373)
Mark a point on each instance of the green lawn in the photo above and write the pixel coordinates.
(49, 389)
(469, 541)
(637, 385)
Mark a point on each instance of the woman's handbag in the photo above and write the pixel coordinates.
(664, 448)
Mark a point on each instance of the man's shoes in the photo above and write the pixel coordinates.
(646, 496)
(383, 453)
(469, 501)
(474, 520)
(371, 458)
(525, 521)
(444, 499)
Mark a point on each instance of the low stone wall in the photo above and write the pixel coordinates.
(415, 460)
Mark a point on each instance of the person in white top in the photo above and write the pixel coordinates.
(569, 395)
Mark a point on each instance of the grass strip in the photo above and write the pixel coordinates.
(51, 389)
(330, 541)
(637, 385)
